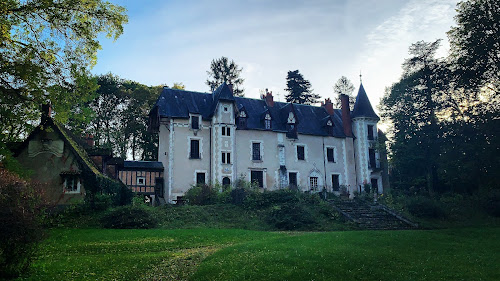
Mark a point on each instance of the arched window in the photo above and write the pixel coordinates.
(226, 181)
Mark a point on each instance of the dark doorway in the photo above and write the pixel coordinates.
(226, 181)
(374, 185)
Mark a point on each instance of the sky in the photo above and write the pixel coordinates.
(175, 41)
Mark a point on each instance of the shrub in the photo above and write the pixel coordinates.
(290, 216)
(20, 218)
(201, 195)
(491, 203)
(261, 200)
(127, 217)
(424, 207)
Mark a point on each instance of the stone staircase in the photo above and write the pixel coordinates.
(372, 215)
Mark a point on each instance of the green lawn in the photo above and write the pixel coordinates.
(230, 254)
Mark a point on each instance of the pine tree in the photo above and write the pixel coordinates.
(299, 89)
(344, 86)
(222, 70)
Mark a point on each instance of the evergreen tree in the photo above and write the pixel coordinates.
(222, 70)
(344, 86)
(299, 90)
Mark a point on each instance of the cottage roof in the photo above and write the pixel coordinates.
(146, 165)
(175, 103)
(362, 106)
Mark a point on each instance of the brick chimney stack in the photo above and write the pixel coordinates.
(328, 105)
(346, 115)
(269, 98)
(46, 112)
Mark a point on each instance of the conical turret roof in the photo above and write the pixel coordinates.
(362, 106)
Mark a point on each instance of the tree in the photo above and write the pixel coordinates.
(412, 105)
(475, 44)
(179, 86)
(299, 89)
(344, 86)
(46, 50)
(222, 70)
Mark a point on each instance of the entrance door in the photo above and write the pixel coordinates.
(374, 185)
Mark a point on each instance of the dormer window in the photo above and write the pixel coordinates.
(267, 121)
(242, 120)
(291, 118)
(329, 127)
(195, 122)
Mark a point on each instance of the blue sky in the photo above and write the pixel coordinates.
(175, 41)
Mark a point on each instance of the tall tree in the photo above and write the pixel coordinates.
(299, 89)
(475, 44)
(222, 70)
(412, 104)
(46, 50)
(345, 87)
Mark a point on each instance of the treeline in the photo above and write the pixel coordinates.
(445, 111)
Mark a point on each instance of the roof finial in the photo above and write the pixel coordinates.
(360, 77)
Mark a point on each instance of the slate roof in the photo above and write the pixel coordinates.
(311, 120)
(147, 165)
(362, 106)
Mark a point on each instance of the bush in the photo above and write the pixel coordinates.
(262, 200)
(491, 203)
(290, 216)
(20, 218)
(424, 207)
(201, 195)
(127, 217)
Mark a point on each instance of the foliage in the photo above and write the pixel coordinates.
(201, 195)
(120, 118)
(474, 44)
(299, 90)
(290, 216)
(46, 50)
(344, 86)
(131, 216)
(20, 218)
(222, 70)
(424, 207)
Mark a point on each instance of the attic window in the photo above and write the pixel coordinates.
(267, 121)
(329, 127)
(291, 118)
(242, 120)
(195, 122)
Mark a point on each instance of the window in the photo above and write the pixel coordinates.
(257, 177)
(335, 183)
(291, 131)
(71, 183)
(374, 186)
(226, 181)
(373, 162)
(256, 151)
(370, 132)
(195, 149)
(292, 180)
(226, 131)
(200, 178)
(329, 127)
(300, 152)
(226, 157)
(195, 122)
(267, 122)
(141, 181)
(313, 183)
(226, 108)
(330, 154)
(242, 120)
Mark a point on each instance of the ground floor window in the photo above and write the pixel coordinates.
(257, 177)
(200, 178)
(226, 181)
(313, 183)
(71, 183)
(335, 183)
(292, 179)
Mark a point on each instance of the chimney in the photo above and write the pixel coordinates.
(328, 105)
(230, 85)
(89, 139)
(346, 115)
(46, 112)
(269, 98)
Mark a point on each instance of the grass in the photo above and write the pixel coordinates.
(231, 254)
